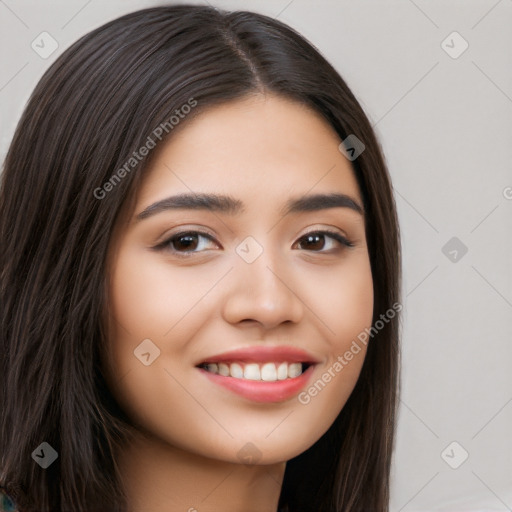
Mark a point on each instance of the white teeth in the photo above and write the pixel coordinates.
(269, 372)
(252, 372)
(294, 370)
(282, 371)
(223, 370)
(236, 371)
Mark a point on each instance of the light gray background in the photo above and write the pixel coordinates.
(445, 125)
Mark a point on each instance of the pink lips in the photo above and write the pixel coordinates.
(262, 391)
(263, 354)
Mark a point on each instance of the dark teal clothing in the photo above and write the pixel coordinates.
(6, 504)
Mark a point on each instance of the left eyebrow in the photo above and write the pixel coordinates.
(231, 206)
(317, 202)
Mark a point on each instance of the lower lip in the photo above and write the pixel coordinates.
(263, 391)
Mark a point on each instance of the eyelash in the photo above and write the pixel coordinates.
(164, 246)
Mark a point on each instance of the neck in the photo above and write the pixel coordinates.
(163, 478)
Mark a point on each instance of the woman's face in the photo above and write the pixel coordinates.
(248, 276)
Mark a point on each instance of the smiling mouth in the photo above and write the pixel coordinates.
(266, 372)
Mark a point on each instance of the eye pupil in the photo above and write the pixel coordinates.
(313, 239)
(191, 241)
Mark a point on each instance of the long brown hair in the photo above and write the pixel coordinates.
(96, 105)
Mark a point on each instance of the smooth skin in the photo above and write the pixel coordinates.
(316, 295)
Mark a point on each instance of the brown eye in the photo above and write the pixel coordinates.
(186, 243)
(316, 240)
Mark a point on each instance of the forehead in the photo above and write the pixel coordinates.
(261, 147)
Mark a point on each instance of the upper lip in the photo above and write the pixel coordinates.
(263, 354)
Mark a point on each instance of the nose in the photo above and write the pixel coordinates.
(263, 292)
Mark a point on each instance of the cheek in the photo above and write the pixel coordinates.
(147, 298)
(343, 301)
(142, 305)
(346, 303)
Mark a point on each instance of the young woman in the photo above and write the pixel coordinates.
(200, 276)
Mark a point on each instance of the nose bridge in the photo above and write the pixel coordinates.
(264, 289)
